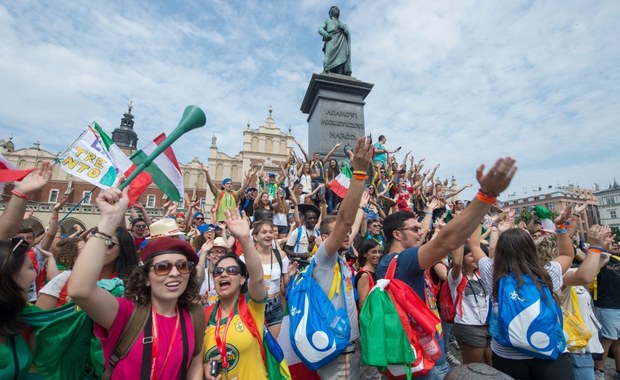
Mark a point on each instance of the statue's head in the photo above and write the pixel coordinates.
(334, 11)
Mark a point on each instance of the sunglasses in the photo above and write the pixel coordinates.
(162, 268)
(140, 226)
(232, 270)
(199, 218)
(412, 229)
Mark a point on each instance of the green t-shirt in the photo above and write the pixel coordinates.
(225, 202)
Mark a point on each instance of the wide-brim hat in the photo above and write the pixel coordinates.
(220, 242)
(305, 207)
(164, 227)
(166, 244)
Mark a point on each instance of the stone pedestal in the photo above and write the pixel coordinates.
(335, 107)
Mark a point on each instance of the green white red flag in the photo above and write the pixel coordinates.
(340, 184)
(164, 169)
(124, 165)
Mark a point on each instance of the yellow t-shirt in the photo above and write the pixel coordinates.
(244, 355)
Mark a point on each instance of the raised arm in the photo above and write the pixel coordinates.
(454, 193)
(302, 151)
(452, 236)
(99, 304)
(328, 155)
(145, 215)
(50, 234)
(590, 266)
(210, 183)
(11, 218)
(565, 245)
(350, 204)
(240, 229)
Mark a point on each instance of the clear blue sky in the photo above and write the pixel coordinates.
(459, 83)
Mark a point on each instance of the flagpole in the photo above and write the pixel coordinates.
(76, 206)
(193, 117)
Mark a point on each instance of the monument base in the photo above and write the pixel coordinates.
(335, 107)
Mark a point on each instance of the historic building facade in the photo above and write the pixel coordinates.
(609, 205)
(267, 145)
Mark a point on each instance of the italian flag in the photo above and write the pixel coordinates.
(340, 184)
(124, 165)
(9, 173)
(164, 169)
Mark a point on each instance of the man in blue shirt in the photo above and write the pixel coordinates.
(404, 238)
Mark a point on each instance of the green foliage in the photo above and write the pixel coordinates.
(616, 231)
(523, 216)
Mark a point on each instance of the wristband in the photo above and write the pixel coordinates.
(53, 218)
(485, 198)
(19, 194)
(95, 231)
(359, 172)
(360, 177)
(596, 250)
(561, 231)
(494, 225)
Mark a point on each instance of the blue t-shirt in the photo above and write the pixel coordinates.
(380, 157)
(407, 269)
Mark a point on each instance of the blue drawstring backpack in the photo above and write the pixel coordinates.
(526, 319)
(318, 332)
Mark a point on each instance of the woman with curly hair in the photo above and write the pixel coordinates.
(165, 285)
(119, 261)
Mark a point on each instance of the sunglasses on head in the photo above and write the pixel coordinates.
(17, 242)
(162, 268)
(232, 270)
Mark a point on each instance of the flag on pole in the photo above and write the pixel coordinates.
(124, 165)
(9, 173)
(164, 169)
(340, 184)
(86, 158)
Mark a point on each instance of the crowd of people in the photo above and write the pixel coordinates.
(161, 294)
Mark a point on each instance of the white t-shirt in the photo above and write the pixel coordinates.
(272, 273)
(486, 271)
(55, 285)
(302, 247)
(475, 300)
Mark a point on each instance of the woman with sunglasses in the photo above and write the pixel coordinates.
(234, 351)
(16, 274)
(165, 285)
(119, 261)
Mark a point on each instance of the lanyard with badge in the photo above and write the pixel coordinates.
(221, 342)
(156, 343)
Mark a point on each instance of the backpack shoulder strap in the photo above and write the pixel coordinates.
(296, 248)
(197, 314)
(248, 321)
(276, 252)
(389, 274)
(128, 337)
(371, 282)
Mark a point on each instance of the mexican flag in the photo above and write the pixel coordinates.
(340, 184)
(125, 166)
(9, 173)
(164, 169)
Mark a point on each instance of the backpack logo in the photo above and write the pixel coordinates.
(515, 296)
(534, 341)
(319, 347)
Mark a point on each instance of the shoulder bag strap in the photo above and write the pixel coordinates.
(197, 313)
(185, 345)
(147, 347)
(391, 268)
(128, 337)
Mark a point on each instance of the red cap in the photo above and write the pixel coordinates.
(161, 245)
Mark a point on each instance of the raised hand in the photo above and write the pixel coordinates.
(62, 201)
(598, 236)
(564, 216)
(35, 181)
(237, 225)
(112, 204)
(498, 178)
(362, 154)
(580, 208)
